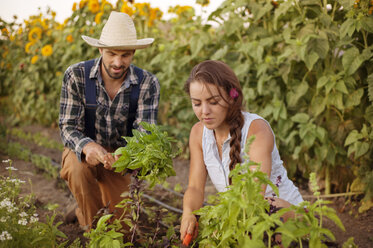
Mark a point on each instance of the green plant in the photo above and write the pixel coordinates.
(37, 138)
(243, 218)
(17, 150)
(147, 156)
(149, 153)
(105, 235)
(308, 223)
(19, 222)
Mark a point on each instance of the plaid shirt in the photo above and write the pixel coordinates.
(111, 115)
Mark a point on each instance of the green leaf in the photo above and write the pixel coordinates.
(354, 98)
(367, 23)
(310, 60)
(352, 137)
(347, 3)
(362, 148)
(322, 81)
(351, 60)
(300, 90)
(242, 69)
(336, 220)
(219, 54)
(309, 139)
(259, 10)
(336, 99)
(281, 11)
(341, 87)
(348, 27)
(102, 221)
(115, 244)
(319, 45)
(318, 105)
(369, 114)
(300, 118)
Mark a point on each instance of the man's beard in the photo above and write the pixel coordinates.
(114, 76)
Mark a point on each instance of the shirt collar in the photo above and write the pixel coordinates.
(211, 137)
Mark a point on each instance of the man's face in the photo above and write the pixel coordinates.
(116, 62)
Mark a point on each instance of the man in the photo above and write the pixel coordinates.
(90, 133)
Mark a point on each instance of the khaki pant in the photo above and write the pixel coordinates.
(92, 187)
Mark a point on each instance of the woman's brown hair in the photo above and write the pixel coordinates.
(222, 76)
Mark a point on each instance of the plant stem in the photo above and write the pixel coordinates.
(365, 39)
(327, 180)
(325, 3)
(334, 8)
(338, 113)
(135, 193)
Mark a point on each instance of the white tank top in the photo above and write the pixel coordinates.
(218, 170)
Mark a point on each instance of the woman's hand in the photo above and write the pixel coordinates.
(281, 203)
(188, 226)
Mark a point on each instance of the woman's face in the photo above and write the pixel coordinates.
(210, 108)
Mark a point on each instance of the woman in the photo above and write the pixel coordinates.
(217, 141)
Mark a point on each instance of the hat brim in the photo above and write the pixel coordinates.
(139, 44)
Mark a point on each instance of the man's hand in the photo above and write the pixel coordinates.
(94, 153)
(109, 159)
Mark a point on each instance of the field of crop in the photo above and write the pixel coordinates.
(306, 66)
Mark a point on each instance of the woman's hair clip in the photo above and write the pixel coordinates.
(233, 93)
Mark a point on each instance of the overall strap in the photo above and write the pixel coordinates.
(135, 91)
(90, 98)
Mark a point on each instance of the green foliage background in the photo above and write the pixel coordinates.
(306, 66)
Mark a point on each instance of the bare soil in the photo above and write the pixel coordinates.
(52, 191)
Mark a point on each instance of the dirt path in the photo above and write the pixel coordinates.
(49, 191)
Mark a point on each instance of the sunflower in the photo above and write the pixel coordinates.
(70, 38)
(35, 34)
(74, 7)
(82, 3)
(98, 17)
(34, 59)
(127, 9)
(142, 8)
(44, 23)
(155, 14)
(28, 46)
(183, 9)
(5, 31)
(47, 50)
(105, 3)
(94, 6)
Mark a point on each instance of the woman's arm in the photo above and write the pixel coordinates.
(261, 152)
(261, 148)
(194, 195)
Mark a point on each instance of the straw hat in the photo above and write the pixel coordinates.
(119, 32)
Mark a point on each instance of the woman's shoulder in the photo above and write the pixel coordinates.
(196, 132)
(261, 129)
